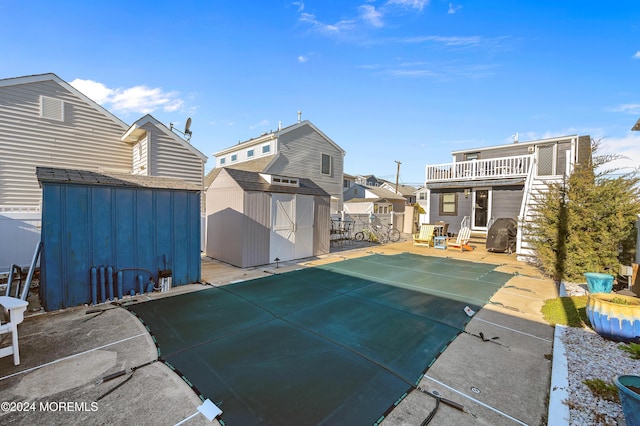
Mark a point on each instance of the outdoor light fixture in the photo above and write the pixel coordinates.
(466, 192)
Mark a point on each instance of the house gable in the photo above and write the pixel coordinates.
(162, 152)
(298, 150)
(80, 135)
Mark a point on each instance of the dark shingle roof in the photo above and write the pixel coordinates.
(257, 165)
(51, 174)
(252, 181)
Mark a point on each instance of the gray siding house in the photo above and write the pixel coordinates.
(254, 218)
(299, 150)
(483, 184)
(44, 121)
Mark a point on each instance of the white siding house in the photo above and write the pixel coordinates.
(157, 151)
(46, 122)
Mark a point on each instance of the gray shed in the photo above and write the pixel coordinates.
(254, 218)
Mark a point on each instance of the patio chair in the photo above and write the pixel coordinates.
(444, 229)
(15, 308)
(424, 237)
(462, 240)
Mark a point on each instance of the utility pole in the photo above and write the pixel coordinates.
(397, 175)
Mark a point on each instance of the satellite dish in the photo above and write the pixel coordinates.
(187, 131)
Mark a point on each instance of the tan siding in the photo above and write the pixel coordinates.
(225, 203)
(86, 139)
(257, 228)
(170, 159)
(321, 226)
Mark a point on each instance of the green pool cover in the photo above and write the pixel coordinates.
(334, 344)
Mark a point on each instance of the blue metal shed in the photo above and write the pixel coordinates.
(106, 235)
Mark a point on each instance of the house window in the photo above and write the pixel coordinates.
(234, 157)
(545, 160)
(345, 183)
(223, 160)
(51, 108)
(266, 149)
(448, 204)
(250, 153)
(423, 196)
(326, 164)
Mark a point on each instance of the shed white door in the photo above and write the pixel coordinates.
(291, 227)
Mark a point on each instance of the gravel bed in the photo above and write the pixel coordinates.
(590, 356)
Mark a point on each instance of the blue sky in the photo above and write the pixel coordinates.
(405, 80)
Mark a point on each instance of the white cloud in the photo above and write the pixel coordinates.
(627, 146)
(338, 27)
(370, 15)
(138, 99)
(637, 55)
(302, 59)
(453, 8)
(628, 108)
(367, 14)
(299, 5)
(263, 123)
(94, 90)
(414, 4)
(448, 41)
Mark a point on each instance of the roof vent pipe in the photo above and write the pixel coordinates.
(515, 138)
(280, 125)
(299, 115)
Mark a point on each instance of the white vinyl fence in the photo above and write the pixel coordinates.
(19, 235)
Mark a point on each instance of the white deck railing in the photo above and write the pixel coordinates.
(491, 168)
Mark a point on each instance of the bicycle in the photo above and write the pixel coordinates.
(377, 232)
(392, 234)
(370, 234)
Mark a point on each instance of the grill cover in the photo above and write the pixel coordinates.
(502, 235)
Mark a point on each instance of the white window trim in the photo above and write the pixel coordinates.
(330, 164)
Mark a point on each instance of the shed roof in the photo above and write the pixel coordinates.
(384, 193)
(257, 165)
(86, 177)
(373, 200)
(252, 181)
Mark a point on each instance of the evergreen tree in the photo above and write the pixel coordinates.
(587, 222)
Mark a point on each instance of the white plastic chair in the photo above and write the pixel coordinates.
(16, 308)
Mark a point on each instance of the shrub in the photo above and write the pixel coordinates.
(586, 223)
